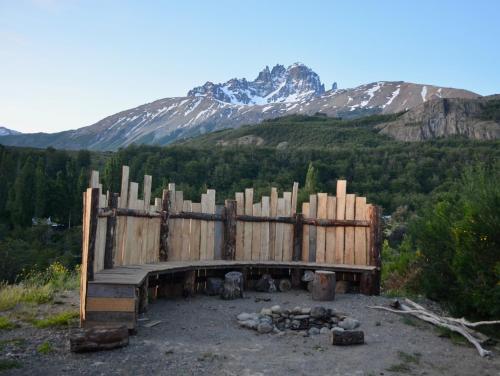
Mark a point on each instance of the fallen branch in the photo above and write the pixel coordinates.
(460, 326)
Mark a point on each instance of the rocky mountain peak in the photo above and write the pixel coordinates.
(7, 132)
(297, 82)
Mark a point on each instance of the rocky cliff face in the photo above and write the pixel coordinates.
(275, 92)
(446, 117)
(271, 86)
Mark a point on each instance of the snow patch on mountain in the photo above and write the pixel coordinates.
(7, 132)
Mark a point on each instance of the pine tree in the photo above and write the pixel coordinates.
(40, 189)
(311, 184)
(20, 203)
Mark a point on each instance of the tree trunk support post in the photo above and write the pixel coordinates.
(110, 232)
(230, 230)
(165, 209)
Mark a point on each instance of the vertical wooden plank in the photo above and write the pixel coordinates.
(331, 211)
(91, 207)
(195, 234)
(204, 228)
(256, 245)
(110, 248)
(272, 226)
(122, 221)
(211, 225)
(349, 230)
(247, 240)
(320, 230)
(123, 201)
(278, 241)
(264, 229)
(305, 235)
(230, 230)
(240, 210)
(94, 179)
(295, 192)
(360, 251)
(186, 228)
(148, 181)
(313, 212)
(130, 249)
(287, 228)
(219, 234)
(375, 246)
(339, 231)
(177, 227)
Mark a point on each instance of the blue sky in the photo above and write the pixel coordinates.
(65, 64)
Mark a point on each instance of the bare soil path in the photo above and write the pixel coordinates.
(200, 336)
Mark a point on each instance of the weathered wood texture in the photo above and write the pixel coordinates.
(128, 229)
(323, 288)
(96, 339)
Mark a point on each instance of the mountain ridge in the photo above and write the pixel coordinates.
(274, 93)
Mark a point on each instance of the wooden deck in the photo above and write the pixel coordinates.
(135, 274)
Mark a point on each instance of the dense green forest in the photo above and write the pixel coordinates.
(406, 179)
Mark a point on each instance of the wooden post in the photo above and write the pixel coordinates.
(374, 256)
(110, 232)
(323, 285)
(89, 230)
(165, 209)
(230, 230)
(298, 230)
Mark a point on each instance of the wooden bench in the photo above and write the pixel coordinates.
(130, 238)
(115, 295)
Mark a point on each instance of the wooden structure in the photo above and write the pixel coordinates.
(129, 240)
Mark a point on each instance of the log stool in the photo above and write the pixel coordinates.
(233, 286)
(323, 286)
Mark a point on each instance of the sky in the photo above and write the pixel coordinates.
(66, 64)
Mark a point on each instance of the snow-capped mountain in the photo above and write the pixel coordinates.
(7, 132)
(297, 82)
(277, 92)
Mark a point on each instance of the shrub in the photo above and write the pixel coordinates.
(459, 238)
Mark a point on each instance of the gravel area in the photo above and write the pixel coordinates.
(201, 336)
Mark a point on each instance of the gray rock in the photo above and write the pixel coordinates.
(308, 276)
(301, 317)
(276, 309)
(266, 311)
(265, 327)
(349, 323)
(265, 318)
(313, 331)
(244, 316)
(305, 311)
(214, 286)
(296, 310)
(319, 312)
(324, 330)
(336, 329)
(250, 324)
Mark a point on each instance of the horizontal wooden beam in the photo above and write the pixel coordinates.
(244, 218)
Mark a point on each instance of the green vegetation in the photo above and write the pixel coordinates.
(38, 287)
(45, 348)
(6, 324)
(61, 319)
(440, 240)
(6, 364)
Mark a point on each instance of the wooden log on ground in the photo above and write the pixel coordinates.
(284, 285)
(233, 286)
(347, 337)
(323, 286)
(96, 339)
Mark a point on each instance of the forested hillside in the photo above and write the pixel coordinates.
(404, 178)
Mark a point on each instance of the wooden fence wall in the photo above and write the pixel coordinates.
(132, 228)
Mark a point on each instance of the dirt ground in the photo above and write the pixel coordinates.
(200, 336)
